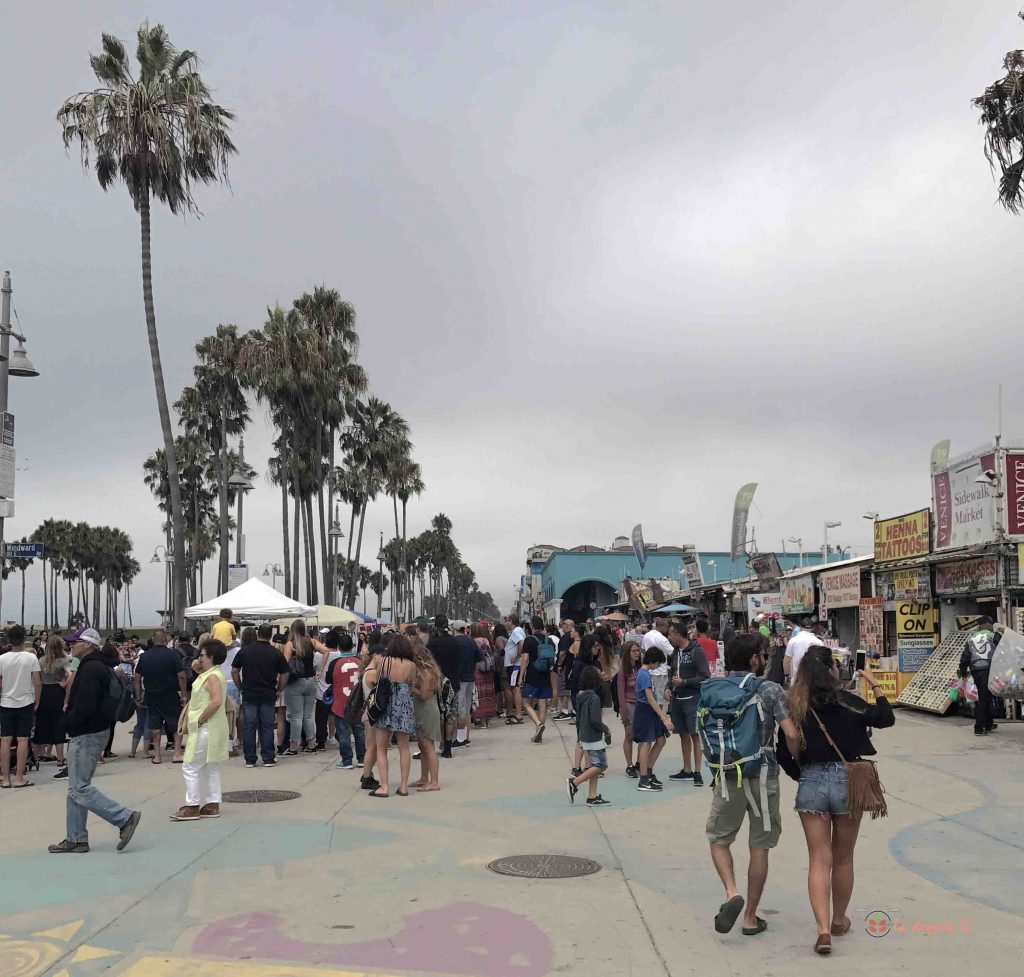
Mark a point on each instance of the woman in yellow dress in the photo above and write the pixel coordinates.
(207, 736)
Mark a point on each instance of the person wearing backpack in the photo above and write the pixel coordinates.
(539, 657)
(737, 719)
(90, 711)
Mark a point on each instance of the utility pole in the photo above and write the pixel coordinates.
(5, 351)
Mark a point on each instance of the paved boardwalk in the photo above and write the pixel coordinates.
(336, 883)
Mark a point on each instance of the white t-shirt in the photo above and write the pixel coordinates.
(16, 669)
(655, 639)
(797, 647)
(318, 658)
(512, 645)
(229, 656)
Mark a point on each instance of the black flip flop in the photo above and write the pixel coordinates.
(760, 927)
(379, 797)
(728, 913)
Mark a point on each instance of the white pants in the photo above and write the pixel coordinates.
(202, 779)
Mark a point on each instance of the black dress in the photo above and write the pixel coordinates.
(50, 715)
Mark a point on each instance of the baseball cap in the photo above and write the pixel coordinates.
(85, 634)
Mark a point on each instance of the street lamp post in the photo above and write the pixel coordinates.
(800, 544)
(167, 559)
(241, 484)
(275, 570)
(380, 576)
(335, 536)
(18, 365)
(829, 524)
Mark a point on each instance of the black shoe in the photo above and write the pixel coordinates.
(309, 749)
(571, 789)
(576, 771)
(272, 762)
(107, 755)
(597, 801)
(289, 753)
(980, 732)
(539, 735)
(128, 829)
(170, 745)
(657, 783)
(369, 783)
(682, 775)
(61, 774)
(633, 771)
(66, 847)
(698, 780)
(447, 751)
(645, 784)
(992, 728)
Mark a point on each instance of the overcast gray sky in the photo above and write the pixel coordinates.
(610, 260)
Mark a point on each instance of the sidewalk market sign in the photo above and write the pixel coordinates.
(964, 510)
(903, 537)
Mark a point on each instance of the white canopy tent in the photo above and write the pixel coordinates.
(324, 616)
(252, 599)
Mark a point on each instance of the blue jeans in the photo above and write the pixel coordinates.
(259, 715)
(824, 789)
(83, 754)
(345, 734)
(300, 706)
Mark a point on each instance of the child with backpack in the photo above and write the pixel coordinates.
(594, 738)
(539, 656)
(651, 726)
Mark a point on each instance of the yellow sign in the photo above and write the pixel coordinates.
(914, 619)
(888, 685)
(903, 537)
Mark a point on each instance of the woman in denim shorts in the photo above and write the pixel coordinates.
(822, 798)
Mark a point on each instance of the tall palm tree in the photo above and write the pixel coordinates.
(218, 412)
(376, 438)
(160, 133)
(407, 481)
(1002, 114)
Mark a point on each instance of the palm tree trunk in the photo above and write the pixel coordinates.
(295, 526)
(46, 596)
(331, 596)
(284, 531)
(314, 582)
(320, 505)
(173, 479)
(349, 594)
(195, 536)
(225, 533)
(359, 547)
(128, 602)
(305, 549)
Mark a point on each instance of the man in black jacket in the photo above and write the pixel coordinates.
(90, 711)
(689, 670)
(977, 659)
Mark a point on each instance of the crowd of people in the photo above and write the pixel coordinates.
(269, 694)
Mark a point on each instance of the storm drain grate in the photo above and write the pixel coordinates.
(259, 796)
(544, 866)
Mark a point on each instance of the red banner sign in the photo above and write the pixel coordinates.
(1015, 493)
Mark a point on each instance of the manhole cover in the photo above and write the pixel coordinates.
(258, 796)
(544, 866)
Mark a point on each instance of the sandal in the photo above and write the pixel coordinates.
(824, 944)
(402, 793)
(427, 788)
(759, 926)
(155, 760)
(839, 929)
(373, 793)
(728, 913)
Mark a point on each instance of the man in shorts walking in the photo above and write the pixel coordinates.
(688, 669)
(744, 659)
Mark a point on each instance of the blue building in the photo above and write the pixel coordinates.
(588, 578)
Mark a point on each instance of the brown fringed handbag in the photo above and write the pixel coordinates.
(866, 793)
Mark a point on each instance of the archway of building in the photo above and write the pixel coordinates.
(585, 599)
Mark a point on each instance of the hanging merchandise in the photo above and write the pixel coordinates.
(1006, 674)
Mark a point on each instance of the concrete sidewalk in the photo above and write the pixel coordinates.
(337, 883)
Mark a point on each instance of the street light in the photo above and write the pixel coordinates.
(871, 516)
(829, 524)
(168, 559)
(18, 365)
(275, 570)
(239, 481)
(380, 575)
(335, 535)
(799, 540)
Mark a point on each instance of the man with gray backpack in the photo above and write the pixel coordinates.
(737, 718)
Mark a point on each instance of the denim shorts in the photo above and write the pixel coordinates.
(824, 789)
(598, 758)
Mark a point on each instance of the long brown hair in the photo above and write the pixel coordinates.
(299, 639)
(426, 666)
(627, 664)
(54, 652)
(815, 685)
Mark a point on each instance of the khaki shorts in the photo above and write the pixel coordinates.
(726, 817)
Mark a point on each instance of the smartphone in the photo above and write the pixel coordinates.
(861, 662)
